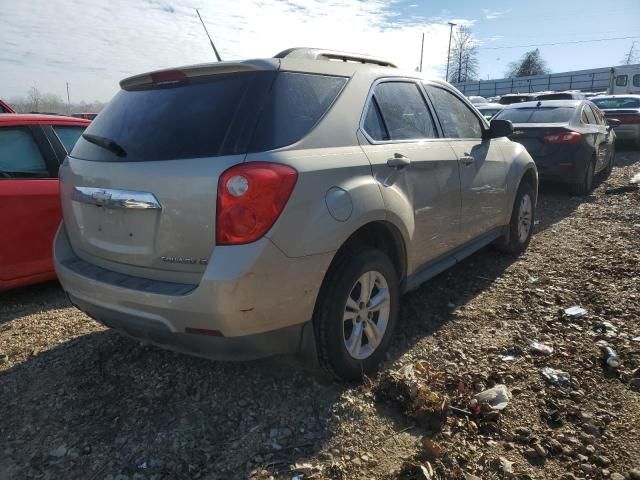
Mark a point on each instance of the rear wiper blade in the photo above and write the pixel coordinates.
(105, 143)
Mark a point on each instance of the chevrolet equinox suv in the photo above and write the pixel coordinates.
(238, 210)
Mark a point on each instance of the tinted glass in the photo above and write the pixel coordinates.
(508, 100)
(537, 115)
(20, 156)
(373, 124)
(196, 118)
(404, 112)
(636, 80)
(295, 105)
(558, 96)
(621, 81)
(617, 102)
(456, 118)
(68, 135)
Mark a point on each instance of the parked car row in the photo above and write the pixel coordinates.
(289, 212)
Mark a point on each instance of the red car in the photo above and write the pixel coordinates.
(31, 150)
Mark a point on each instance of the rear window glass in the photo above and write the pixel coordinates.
(68, 135)
(537, 115)
(617, 102)
(557, 96)
(508, 100)
(295, 105)
(220, 115)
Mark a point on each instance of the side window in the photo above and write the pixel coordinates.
(596, 114)
(456, 118)
(373, 123)
(636, 80)
(403, 112)
(68, 135)
(621, 81)
(20, 156)
(589, 114)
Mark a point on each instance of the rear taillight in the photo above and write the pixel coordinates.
(564, 138)
(251, 197)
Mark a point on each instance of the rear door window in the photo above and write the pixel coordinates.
(20, 156)
(621, 81)
(456, 118)
(68, 135)
(403, 113)
(636, 80)
(537, 114)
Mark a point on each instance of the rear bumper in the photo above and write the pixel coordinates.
(566, 165)
(254, 297)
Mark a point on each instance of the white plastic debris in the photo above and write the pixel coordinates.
(497, 397)
(636, 178)
(556, 376)
(541, 348)
(575, 311)
(143, 466)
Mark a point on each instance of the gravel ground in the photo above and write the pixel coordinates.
(78, 401)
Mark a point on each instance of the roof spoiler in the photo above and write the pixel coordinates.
(203, 70)
(332, 55)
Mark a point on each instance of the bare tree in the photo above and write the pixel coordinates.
(463, 59)
(34, 97)
(531, 63)
(631, 56)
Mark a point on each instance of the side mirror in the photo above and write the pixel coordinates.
(500, 128)
(613, 122)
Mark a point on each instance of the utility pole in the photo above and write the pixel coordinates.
(421, 51)
(215, 50)
(68, 101)
(451, 25)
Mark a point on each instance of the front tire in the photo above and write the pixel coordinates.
(356, 313)
(520, 228)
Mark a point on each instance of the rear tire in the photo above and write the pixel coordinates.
(612, 160)
(584, 188)
(520, 228)
(347, 314)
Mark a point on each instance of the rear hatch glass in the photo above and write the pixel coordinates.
(537, 114)
(170, 144)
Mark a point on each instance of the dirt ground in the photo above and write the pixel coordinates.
(78, 401)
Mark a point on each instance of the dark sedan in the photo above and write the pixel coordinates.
(569, 140)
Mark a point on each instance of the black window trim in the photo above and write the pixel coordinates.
(484, 123)
(428, 104)
(46, 150)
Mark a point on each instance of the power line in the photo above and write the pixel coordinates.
(561, 43)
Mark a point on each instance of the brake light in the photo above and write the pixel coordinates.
(564, 138)
(251, 197)
(168, 77)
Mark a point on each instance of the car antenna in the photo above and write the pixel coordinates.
(215, 50)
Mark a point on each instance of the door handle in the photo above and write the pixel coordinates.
(467, 159)
(398, 161)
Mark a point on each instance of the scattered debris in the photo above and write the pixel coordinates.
(556, 376)
(497, 398)
(541, 348)
(575, 312)
(609, 356)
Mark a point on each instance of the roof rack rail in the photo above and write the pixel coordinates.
(332, 55)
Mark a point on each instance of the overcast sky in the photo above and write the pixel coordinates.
(94, 44)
